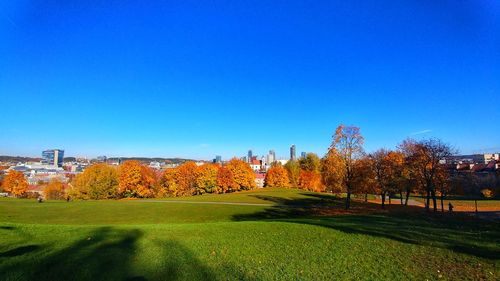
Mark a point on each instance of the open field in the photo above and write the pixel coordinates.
(293, 235)
(461, 205)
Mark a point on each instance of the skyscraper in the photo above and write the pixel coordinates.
(250, 155)
(271, 157)
(292, 152)
(303, 154)
(53, 157)
(218, 159)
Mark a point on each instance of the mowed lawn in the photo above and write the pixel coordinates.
(279, 235)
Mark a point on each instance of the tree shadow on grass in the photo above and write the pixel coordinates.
(409, 224)
(105, 254)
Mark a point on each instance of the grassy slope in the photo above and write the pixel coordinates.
(154, 241)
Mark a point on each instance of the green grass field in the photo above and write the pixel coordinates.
(292, 235)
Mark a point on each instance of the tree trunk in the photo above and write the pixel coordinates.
(390, 199)
(401, 196)
(442, 203)
(383, 200)
(348, 200)
(366, 197)
(434, 202)
(407, 197)
(427, 200)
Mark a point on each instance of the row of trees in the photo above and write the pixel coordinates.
(133, 179)
(413, 167)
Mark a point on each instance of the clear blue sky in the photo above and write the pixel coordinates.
(204, 78)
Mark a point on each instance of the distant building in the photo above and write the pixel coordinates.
(474, 158)
(293, 155)
(218, 159)
(303, 154)
(250, 155)
(259, 179)
(102, 158)
(256, 165)
(53, 157)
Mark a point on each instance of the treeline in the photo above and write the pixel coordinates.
(413, 167)
(133, 179)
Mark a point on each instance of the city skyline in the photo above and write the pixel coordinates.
(183, 80)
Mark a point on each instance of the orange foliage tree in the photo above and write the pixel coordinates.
(55, 190)
(225, 180)
(136, 180)
(15, 183)
(168, 183)
(311, 180)
(277, 176)
(243, 175)
(187, 174)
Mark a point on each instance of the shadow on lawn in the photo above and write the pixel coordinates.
(409, 224)
(106, 254)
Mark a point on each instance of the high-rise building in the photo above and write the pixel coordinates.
(303, 154)
(53, 157)
(292, 152)
(250, 155)
(218, 159)
(271, 157)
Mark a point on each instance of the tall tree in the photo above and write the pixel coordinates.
(277, 176)
(332, 171)
(98, 181)
(365, 182)
(310, 163)
(293, 169)
(243, 175)
(387, 167)
(136, 180)
(225, 180)
(15, 183)
(348, 143)
(425, 162)
(206, 181)
(187, 175)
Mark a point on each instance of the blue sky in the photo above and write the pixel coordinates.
(203, 78)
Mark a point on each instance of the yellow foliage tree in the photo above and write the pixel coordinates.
(243, 175)
(277, 176)
(206, 181)
(98, 181)
(15, 183)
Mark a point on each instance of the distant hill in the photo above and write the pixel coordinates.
(5, 158)
(148, 159)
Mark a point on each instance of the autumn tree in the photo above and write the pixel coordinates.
(15, 183)
(365, 182)
(187, 174)
(225, 180)
(98, 181)
(243, 175)
(443, 184)
(309, 175)
(387, 168)
(332, 171)
(206, 181)
(311, 162)
(293, 169)
(55, 190)
(425, 163)
(277, 176)
(167, 184)
(348, 143)
(136, 180)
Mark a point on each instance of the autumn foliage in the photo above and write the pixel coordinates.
(15, 183)
(55, 190)
(277, 176)
(98, 181)
(136, 180)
